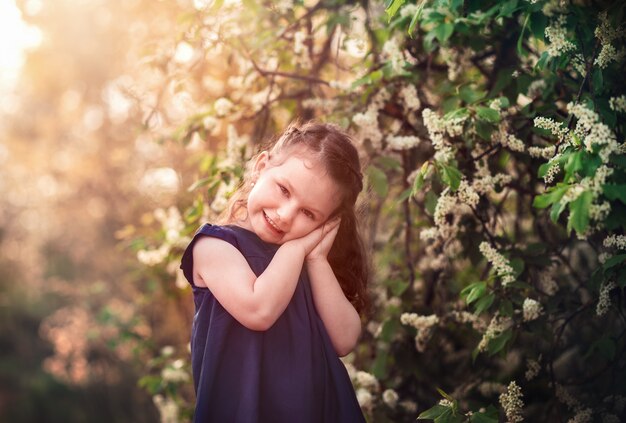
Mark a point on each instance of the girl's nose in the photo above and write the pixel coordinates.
(286, 212)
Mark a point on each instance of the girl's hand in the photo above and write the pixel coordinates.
(321, 250)
(310, 241)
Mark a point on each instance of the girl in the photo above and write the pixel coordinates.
(278, 288)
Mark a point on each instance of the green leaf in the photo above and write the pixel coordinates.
(451, 176)
(520, 39)
(477, 291)
(434, 412)
(557, 209)
(368, 79)
(488, 114)
(614, 261)
(552, 196)
(574, 164)
(615, 192)
(579, 212)
(443, 32)
(416, 17)
(393, 8)
(378, 181)
(471, 95)
(499, 342)
(488, 416)
(484, 303)
(507, 9)
(418, 183)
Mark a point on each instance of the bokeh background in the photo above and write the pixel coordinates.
(492, 136)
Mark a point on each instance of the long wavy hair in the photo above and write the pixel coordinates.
(334, 149)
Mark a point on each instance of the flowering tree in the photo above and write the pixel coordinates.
(494, 139)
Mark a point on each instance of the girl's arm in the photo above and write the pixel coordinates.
(255, 302)
(340, 318)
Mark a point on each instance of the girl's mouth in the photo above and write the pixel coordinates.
(272, 224)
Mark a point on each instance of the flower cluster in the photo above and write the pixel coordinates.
(531, 309)
(392, 53)
(618, 104)
(617, 241)
(368, 120)
(499, 262)
(424, 326)
(366, 387)
(546, 282)
(582, 416)
(497, 325)
(400, 142)
(511, 402)
(543, 152)
(558, 129)
(437, 129)
(594, 132)
(222, 106)
(390, 397)
(172, 224)
(556, 34)
(606, 34)
(532, 368)
(604, 300)
(408, 93)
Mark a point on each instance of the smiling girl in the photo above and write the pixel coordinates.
(278, 287)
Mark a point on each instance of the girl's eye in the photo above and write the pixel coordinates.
(283, 189)
(308, 214)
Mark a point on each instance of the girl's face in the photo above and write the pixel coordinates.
(289, 200)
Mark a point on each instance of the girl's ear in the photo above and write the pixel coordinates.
(261, 163)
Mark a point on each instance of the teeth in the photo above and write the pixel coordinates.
(271, 222)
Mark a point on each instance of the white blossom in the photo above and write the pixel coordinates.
(390, 397)
(511, 402)
(582, 416)
(222, 106)
(531, 309)
(408, 93)
(557, 34)
(604, 300)
(618, 104)
(424, 326)
(497, 325)
(168, 409)
(499, 262)
(617, 241)
(400, 142)
(532, 368)
(542, 152)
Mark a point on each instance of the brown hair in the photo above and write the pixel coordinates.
(334, 149)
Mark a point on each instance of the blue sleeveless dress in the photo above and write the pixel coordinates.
(289, 373)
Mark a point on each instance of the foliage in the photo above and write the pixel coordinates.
(495, 130)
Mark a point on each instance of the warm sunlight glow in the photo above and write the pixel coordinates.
(15, 37)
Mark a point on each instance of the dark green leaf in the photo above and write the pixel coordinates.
(507, 8)
(579, 212)
(552, 196)
(520, 39)
(556, 210)
(476, 292)
(434, 412)
(484, 303)
(499, 342)
(470, 95)
(615, 192)
(614, 261)
(488, 114)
